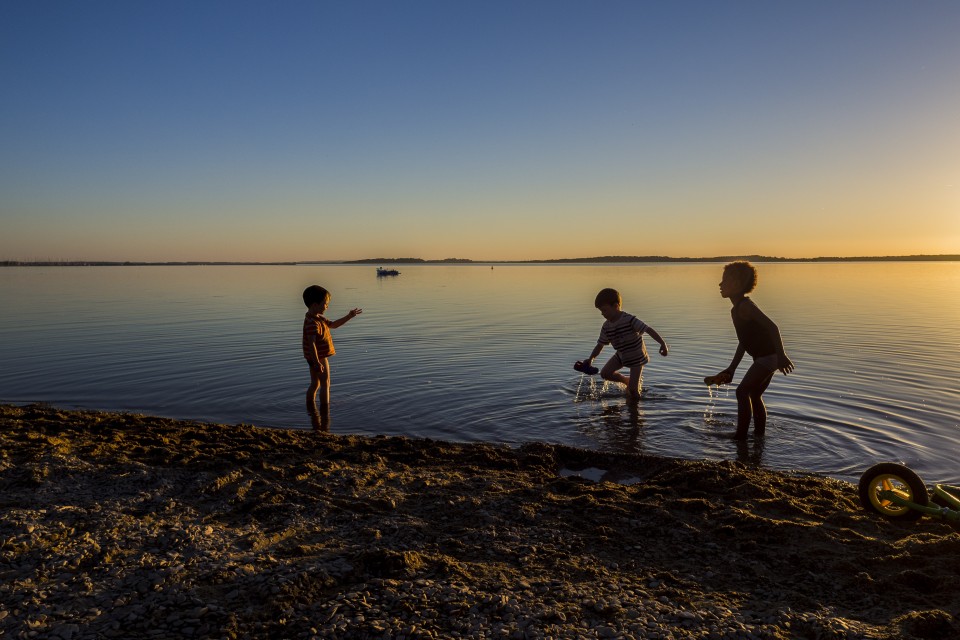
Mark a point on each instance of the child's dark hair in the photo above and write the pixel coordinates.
(315, 294)
(608, 296)
(744, 272)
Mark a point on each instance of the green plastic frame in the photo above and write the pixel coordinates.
(950, 494)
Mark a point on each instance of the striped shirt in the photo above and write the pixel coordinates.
(626, 335)
(317, 341)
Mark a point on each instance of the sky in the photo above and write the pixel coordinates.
(488, 130)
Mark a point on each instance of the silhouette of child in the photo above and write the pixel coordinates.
(760, 337)
(625, 332)
(317, 347)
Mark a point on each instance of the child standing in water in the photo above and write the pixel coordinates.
(317, 347)
(625, 332)
(759, 337)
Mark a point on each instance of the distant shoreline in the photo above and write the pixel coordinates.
(621, 259)
(104, 263)
(465, 261)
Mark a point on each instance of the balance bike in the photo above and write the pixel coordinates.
(897, 493)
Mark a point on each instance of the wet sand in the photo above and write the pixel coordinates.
(129, 526)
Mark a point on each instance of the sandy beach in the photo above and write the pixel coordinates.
(129, 526)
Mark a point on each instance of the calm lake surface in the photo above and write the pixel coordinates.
(470, 353)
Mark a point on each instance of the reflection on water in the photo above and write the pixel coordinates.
(473, 354)
(319, 417)
(600, 475)
(751, 451)
(610, 418)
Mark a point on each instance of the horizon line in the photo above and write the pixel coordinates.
(395, 260)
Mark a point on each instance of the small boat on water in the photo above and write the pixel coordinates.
(387, 272)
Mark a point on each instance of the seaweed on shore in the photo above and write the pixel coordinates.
(130, 526)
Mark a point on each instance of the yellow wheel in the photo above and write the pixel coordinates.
(904, 483)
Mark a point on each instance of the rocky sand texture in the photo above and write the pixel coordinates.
(127, 526)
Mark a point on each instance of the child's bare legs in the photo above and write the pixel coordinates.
(319, 381)
(635, 383)
(611, 372)
(750, 401)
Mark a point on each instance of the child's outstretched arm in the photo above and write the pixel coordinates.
(593, 354)
(353, 313)
(664, 349)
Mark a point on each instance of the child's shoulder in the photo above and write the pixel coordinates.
(746, 307)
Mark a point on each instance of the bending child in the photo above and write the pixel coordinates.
(759, 337)
(625, 332)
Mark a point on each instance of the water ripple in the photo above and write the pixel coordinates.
(473, 354)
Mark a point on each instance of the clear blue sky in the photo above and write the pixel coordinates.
(488, 130)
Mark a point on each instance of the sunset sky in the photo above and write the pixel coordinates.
(315, 130)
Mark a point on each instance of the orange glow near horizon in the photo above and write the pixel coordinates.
(510, 138)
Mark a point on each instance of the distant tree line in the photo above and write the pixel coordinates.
(605, 259)
(95, 263)
(594, 260)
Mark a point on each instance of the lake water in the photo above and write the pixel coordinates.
(470, 353)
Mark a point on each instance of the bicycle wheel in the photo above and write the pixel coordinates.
(891, 476)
